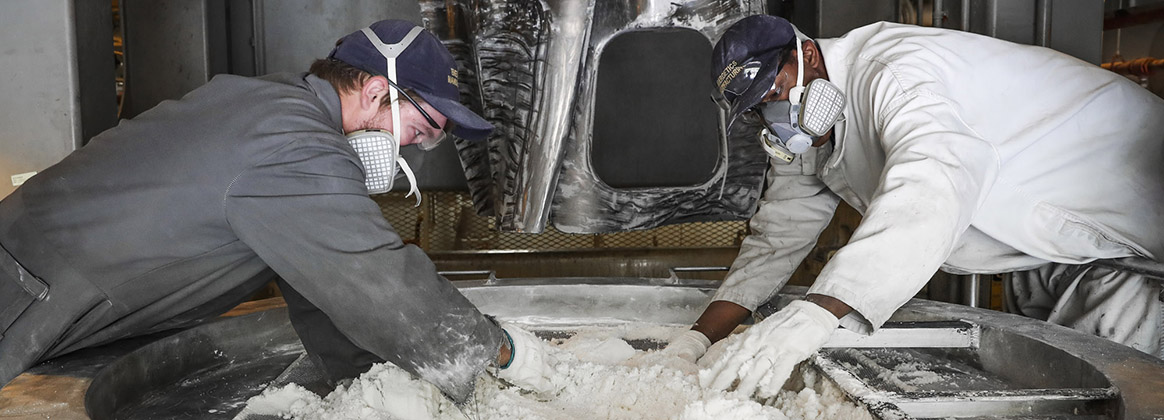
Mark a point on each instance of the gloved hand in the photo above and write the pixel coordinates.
(690, 346)
(530, 366)
(763, 357)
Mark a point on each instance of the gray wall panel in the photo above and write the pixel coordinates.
(289, 34)
(168, 49)
(1077, 28)
(41, 78)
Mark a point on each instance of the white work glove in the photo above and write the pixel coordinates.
(763, 357)
(690, 346)
(530, 366)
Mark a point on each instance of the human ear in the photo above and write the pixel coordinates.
(811, 54)
(809, 49)
(373, 92)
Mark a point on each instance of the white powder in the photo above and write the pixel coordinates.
(602, 377)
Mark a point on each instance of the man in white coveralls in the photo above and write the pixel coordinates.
(962, 152)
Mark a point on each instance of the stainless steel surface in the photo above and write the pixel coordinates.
(1043, 22)
(648, 263)
(958, 362)
(987, 403)
(206, 372)
(569, 31)
(965, 11)
(989, 364)
(533, 70)
(939, 13)
(584, 203)
(974, 287)
(58, 83)
(911, 335)
(520, 60)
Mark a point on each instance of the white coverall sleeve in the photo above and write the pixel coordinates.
(936, 174)
(793, 211)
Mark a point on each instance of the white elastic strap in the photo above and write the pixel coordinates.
(392, 95)
(411, 179)
(794, 95)
(390, 52)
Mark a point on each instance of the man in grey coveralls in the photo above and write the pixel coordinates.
(188, 209)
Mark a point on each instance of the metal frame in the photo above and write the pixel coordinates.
(1052, 371)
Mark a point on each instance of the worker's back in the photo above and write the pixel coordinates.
(140, 211)
(1076, 148)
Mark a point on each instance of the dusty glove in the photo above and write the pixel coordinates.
(690, 346)
(763, 357)
(530, 365)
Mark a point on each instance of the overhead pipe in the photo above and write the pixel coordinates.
(1138, 67)
(1043, 23)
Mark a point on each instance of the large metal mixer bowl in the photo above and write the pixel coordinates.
(933, 360)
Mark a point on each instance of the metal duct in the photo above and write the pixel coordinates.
(534, 70)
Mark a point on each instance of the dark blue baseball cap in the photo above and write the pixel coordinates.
(745, 61)
(425, 67)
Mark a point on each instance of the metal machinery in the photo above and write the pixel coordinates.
(933, 360)
(541, 70)
(551, 75)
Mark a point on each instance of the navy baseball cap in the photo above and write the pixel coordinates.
(425, 66)
(745, 61)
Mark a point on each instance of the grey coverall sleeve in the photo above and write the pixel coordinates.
(795, 209)
(305, 211)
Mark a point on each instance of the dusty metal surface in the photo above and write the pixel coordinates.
(205, 372)
(532, 68)
(934, 360)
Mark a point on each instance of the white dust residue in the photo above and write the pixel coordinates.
(601, 377)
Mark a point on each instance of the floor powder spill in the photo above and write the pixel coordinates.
(601, 376)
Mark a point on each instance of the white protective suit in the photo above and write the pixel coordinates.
(966, 153)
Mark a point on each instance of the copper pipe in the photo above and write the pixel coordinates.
(1137, 67)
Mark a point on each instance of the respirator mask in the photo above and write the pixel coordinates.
(379, 150)
(792, 126)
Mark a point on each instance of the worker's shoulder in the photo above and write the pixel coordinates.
(282, 105)
(280, 117)
(891, 57)
(285, 88)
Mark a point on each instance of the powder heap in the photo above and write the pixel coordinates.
(601, 376)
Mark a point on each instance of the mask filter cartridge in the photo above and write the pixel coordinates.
(379, 152)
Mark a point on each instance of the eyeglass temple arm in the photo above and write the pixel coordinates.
(431, 121)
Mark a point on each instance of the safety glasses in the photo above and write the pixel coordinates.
(426, 141)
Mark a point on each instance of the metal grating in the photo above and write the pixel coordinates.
(446, 221)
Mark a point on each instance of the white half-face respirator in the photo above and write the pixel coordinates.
(379, 150)
(792, 126)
